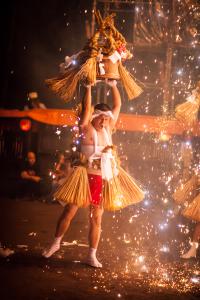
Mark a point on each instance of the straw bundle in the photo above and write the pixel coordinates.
(184, 191)
(75, 190)
(187, 112)
(121, 191)
(132, 89)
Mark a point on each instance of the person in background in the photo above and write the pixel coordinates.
(34, 102)
(30, 177)
(5, 252)
(62, 169)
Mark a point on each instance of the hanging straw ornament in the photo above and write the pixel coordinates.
(187, 112)
(101, 58)
(192, 211)
(185, 191)
(81, 68)
(132, 89)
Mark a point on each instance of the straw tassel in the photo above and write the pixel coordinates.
(187, 112)
(121, 192)
(192, 211)
(132, 89)
(65, 85)
(184, 191)
(75, 190)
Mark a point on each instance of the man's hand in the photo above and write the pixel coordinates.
(88, 85)
(36, 178)
(112, 83)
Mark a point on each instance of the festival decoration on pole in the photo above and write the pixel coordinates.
(187, 112)
(184, 191)
(100, 59)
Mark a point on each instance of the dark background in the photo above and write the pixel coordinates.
(35, 38)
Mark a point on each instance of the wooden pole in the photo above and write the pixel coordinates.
(167, 97)
(94, 7)
(167, 85)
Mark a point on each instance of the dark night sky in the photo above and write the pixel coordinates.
(36, 36)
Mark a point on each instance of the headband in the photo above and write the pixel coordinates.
(98, 112)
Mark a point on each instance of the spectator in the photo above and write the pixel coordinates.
(5, 252)
(34, 102)
(32, 183)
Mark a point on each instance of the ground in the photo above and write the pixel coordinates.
(137, 263)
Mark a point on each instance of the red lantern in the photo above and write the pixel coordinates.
(25, 124)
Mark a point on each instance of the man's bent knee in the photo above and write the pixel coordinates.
(70, 211)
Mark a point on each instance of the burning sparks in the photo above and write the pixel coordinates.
(150, 223)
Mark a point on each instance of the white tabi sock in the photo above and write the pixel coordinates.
(92, 260)
(55, 246)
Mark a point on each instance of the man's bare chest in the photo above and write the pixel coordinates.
(89, 138)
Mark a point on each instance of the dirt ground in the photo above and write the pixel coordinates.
(134, 264)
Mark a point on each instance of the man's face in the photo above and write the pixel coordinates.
(62, 159)
(100, 122)
(31, 158)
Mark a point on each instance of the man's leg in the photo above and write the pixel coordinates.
(62, 226)
(94, 235)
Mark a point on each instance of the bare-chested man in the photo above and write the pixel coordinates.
(96, 135)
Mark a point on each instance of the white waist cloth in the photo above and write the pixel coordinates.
(108, 166)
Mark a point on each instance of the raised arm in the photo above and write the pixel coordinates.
(116, 98)
(86, 108)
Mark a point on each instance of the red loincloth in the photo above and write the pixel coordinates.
(95, 183)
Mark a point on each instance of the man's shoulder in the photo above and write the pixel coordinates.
(87, 128)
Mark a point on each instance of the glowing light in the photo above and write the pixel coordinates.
(58, 131)
(188, 143)
(146, 203)
(131, 220)
(25, 124)
(127, 239)
(179, 72)
(164, 137)
(164, 249)
(165, 200)
(163, 226)
(195, 280)
(164, 145)
(170, 213)
(140, 259)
